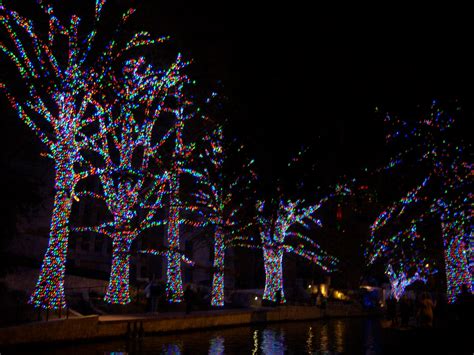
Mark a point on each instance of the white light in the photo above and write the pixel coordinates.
(256, 298)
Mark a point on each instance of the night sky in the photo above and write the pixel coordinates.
(299, 75)
(302, 75)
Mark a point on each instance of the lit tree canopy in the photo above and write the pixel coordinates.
(432, 146)
(284, 231)
(125, 145)
(58, 103)
(222, 186)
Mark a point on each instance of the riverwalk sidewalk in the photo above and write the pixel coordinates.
(136, 325)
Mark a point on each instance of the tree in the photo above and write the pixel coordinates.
(176, 159)
(403, 252)
(279, 233)
(399, 279)
(434, 147)
(125, 145)
(222, 184)
(58, 105)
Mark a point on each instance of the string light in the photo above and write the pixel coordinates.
(72, 99)
(123, 179)
(443, 194)
(57, 116)
(179, 165)
(277, 230)
(399, 281)
(216, 202)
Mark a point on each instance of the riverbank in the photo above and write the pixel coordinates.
(136, 325)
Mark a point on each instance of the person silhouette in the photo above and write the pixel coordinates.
(426, 311)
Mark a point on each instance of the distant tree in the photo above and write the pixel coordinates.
(428, 147)
(283, 231)
(178, 164)
(223, 185)
(399, 279)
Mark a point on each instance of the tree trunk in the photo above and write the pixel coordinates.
(217, 299)
(455, 257)
(456, 264)
(49, 290)
(273, 262)
(118, 291)
(174, 280)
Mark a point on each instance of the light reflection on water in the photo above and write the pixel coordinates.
(255, 342)
(336, 336)
(272, 340)
(309, 341)
(324, 338)
(370, 338)
(171, 349)
(339, 335)
(216, 346)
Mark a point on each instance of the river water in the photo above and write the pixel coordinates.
(334, 336)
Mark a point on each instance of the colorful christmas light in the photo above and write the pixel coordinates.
(174, 278)
(131, 192)
(443, 194)
(217, 202)
(400, 280)
(278, 231)
(59, 104)
(179, 164)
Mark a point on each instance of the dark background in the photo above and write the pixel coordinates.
(301, 74)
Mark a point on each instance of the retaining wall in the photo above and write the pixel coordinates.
(95, 327)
